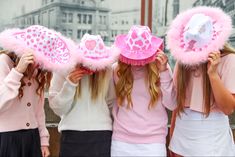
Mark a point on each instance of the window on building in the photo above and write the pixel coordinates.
(101, 20)
(23, 21)
(52, 1)
(175, 7)
(89, 32)
(89, 19)
(28, 21)
(64, 17)
(64, 32)
(70, 18)
(79, 33)
(85, 19)
(83, 32)
(123, 22)
(104, 20)
(82, 2)
(127, 22)
(134, 21)
(33, 20)
(38, 19)
(233, 20)
(79, 18)
(70, 33)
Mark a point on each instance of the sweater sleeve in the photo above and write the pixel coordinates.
(167, 89)
(61, 94)
(9, 83)
(111, 95)
(44, 134)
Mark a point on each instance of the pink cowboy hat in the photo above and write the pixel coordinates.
(139, 46)
(95, 55)
(197, 32)
(52, 51)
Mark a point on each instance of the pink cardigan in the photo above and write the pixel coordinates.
(25, 113)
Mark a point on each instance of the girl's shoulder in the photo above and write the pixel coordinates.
(227, 60)
(5, 60)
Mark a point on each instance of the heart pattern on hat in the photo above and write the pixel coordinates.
(139, 39)
(46, 42)
(95, 55)
(92, 46)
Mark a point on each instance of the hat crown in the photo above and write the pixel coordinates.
(198, 31)
(93, 46)
(139, 38)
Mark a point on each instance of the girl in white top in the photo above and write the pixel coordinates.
(83, 100)
(204, 79)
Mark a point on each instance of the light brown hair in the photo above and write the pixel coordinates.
(183, 75)
(97, 84)
(125, 83)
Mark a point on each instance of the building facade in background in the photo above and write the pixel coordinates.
(164, 11)
(73, 18)
(121, 21)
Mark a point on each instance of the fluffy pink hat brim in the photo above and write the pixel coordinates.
(192, 57)
(100, 64)
(10, 43)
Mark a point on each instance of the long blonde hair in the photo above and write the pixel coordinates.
(183, 77)
(43, 77)
(97, 84)
(125, 83)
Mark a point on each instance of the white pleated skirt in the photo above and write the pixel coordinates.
(197, 135)
(123, 149)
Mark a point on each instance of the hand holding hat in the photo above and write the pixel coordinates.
(25, 60)
(162, 61)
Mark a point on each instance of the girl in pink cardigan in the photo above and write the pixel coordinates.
(22, 119)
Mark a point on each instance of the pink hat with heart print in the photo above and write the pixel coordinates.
(52, 51)
(95, 55)
(139, 46)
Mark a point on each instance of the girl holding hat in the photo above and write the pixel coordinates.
(144, 90)
(23, 131)
(83, 100)
(204, 79)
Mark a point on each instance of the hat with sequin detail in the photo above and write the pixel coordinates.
(51, 50)
(95, 55)
(139, 46)
(197, 32)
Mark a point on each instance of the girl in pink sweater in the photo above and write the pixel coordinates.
(204, 79)
(144, 90)
(23, 131)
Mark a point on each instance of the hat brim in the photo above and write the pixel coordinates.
(10, 43)
(141, 58)
(97, 64)
(192, 57)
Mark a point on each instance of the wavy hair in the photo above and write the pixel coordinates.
(42, 77)
(183, 75)
(125, 81)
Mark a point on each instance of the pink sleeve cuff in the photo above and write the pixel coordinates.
(45, 141)
(14, 75)
(165, 76)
